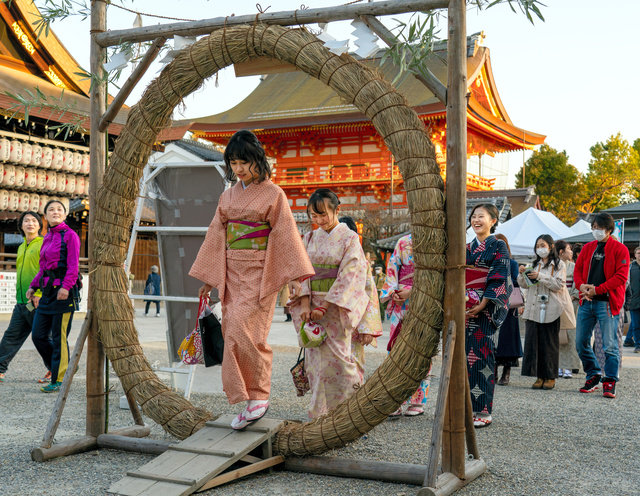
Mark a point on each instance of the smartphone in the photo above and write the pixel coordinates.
(30, 306)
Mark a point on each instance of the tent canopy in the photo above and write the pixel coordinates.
(581, 227)
(523, 230)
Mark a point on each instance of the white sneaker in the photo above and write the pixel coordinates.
(157, 315)
(567, 374)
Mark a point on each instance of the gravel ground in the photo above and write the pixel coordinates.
(541, 442)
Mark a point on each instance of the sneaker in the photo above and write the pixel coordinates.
(637, 350)
(567, 374)
(591, 385)
(54, 387)
(628, 344)
(46, 378)
(1, 377)
(157, 315)
(609, 389)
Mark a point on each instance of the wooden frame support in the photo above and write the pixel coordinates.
(130, 83)
(285, 18)
(448, 483)
(429, 80)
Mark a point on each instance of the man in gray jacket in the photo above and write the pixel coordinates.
(633, 334)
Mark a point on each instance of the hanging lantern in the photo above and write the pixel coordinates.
(5, 149)
(26, 153)
(36, 155)
(15, 154)
(47, 157)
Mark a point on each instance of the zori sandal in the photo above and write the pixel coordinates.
(480, 422)
(414, 410)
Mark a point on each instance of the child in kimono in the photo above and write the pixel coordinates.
(335, 297)
(396, 291)
(252, 248)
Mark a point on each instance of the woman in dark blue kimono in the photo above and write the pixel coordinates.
(509, 348)
(489, 309)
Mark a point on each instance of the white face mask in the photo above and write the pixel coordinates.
(542, 252)
(599, 234)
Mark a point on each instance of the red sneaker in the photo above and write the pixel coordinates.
(46, 378)
(609, 389)
(591, 384)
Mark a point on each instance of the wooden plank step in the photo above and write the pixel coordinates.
(188, 465)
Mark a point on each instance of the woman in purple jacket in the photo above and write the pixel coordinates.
(58, 280)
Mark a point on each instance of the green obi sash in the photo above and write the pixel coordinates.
(246, 235)
(324, 278)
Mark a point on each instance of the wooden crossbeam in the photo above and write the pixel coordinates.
(242, 472)
(286, 18)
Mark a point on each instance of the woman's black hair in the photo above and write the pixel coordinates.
(50, 202)
(34, 215)
(553, 257)
(351, 224)
(245, 146)
(561, 245)
(577, 248)
(491, 209)
(317, 198)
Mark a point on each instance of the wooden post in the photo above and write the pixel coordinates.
(453, 447)
(443, 388)
(98, 152)
(470, 431)
(54, 419)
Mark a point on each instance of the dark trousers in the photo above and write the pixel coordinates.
(49, 334)
(541, 349)
(15, 335)
(146, 307)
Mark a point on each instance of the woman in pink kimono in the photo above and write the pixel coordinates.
(396, 290)
(252, 248)
(337, 299)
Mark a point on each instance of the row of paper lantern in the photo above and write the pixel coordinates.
(23, 153)
(40, 179)
(16, 201)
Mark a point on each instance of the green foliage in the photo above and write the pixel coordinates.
(555, 180)
(54, 10)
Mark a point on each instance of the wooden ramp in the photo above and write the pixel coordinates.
(187, 466)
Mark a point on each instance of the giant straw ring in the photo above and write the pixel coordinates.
(115, 202)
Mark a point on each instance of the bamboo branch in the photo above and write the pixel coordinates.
(130, 83)
(428, 79)
(286, 18)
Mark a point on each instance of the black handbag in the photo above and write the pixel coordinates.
(212, 340)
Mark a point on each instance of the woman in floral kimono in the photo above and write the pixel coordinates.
(252, 248)
(335, 297)
(396, 291)
(487, 307)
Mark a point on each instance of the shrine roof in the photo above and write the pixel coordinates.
(296, 99)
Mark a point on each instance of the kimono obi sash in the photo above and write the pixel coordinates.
(324, 277)
(247, 235)
(405, 276)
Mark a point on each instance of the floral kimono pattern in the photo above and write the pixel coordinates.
(331, 368)
(482, 331)
(400, 270)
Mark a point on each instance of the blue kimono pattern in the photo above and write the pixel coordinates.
(482, 331)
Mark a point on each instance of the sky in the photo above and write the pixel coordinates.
(572, 78)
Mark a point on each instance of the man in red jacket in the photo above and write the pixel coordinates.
(601, 274)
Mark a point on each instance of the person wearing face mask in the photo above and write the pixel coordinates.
(542, 311)
(569, 360)
(601, 274)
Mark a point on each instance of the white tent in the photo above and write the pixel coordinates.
(581, 227)
(522, 230)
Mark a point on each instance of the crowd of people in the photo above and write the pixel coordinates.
(337, 301)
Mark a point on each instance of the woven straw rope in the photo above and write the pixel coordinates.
(398, 376)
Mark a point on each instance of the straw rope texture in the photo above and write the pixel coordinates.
(397, 378)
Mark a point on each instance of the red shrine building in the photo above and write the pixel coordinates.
(315, 139)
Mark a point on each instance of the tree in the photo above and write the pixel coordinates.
(613, 177)
(555, 180)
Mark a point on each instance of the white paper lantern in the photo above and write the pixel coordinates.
(34, 202)
(43, 201)
(80, 180)
(77, 162)
(36, 155)
(41, 180)
(67, 160)
(5, 149)
(86, 163)
(19, 179)
(27, 150)
(65, 202)
(58, 159)
(71, 184)
(24, 200)
(47, 157)
(30, 178)
(14, 200)
(15, 155)
(51, 181)
(86, 186)
(4, 199)
(61, 182)
(9, 176)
